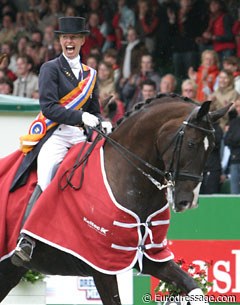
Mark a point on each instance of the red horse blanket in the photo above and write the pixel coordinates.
(87, 223)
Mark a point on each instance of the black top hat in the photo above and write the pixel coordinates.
(72, 25)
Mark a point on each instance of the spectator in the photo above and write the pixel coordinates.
(131, 54)
(219, 32)
(20, 25)
(8, 49)
(114, 110)
(37, 53)
(92, 61)
(21, 47)
(8, 31)
(4, 66)
(131, 91)
(168, 83)
(163, 50)
(236, 33)
(185, 27)
(111, 56)
(212, 174)
(6, 86)
(81, 7)
(232, 64)
(95, 6)
(233, 8)
(70, 11)
(27, 82)
(224, 95)
(37, 36)
(147, 24)
(206, 74)
(124, 17)
(232, 140)
(32, 19)
(112, 35)
(95, 38)
(56, 47)
(105, 79)
(7, 8)
(149, 89)
(54, 11)
(189, 89)
(48, 43)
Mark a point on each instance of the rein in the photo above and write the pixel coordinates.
(125, 152)
(170, 176)
(69, 173)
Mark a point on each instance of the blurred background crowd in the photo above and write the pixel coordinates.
(140, 48)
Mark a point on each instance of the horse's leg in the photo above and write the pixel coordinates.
(170, 272)
(107, 288)
(10, 276)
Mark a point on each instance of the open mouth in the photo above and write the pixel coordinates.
(70, 49)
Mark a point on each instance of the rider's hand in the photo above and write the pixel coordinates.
(89, 119)
(107, 127)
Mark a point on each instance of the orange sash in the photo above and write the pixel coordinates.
(73, 100)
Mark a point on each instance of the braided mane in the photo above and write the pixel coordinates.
(140, 105)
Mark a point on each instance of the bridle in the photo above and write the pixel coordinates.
(170, 175)
(176, 174)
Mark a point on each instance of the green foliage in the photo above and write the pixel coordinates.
(33, 276)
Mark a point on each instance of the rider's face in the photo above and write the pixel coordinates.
(71, 44)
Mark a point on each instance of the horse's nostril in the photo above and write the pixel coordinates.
(184, 203)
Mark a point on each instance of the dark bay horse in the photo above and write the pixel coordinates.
(160, 147)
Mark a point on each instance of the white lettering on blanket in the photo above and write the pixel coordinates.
(92, 225)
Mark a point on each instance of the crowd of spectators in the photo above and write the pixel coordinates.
(139, 48)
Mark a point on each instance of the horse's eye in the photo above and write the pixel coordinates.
(191, 144)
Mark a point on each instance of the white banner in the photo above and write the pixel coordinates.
(81, 290)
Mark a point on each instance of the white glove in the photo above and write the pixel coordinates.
(90, 119)
(107, 126)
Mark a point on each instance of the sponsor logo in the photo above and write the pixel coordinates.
(96, 227)
(87, 284)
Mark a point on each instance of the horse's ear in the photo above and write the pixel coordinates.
(203, 110)
(217, 114)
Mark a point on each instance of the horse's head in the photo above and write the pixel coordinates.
(161, 144)
(187, 144)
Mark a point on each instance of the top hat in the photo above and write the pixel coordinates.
(72, 25)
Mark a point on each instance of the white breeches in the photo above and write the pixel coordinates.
(54, 150)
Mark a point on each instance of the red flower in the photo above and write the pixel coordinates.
(198, 274)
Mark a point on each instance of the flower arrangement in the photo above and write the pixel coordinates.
(32, 276)
(199, 275)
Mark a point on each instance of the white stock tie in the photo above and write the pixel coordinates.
(75, 66)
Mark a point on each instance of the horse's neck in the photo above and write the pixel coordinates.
(131, 188)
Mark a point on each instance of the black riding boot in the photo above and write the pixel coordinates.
(24, 250)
